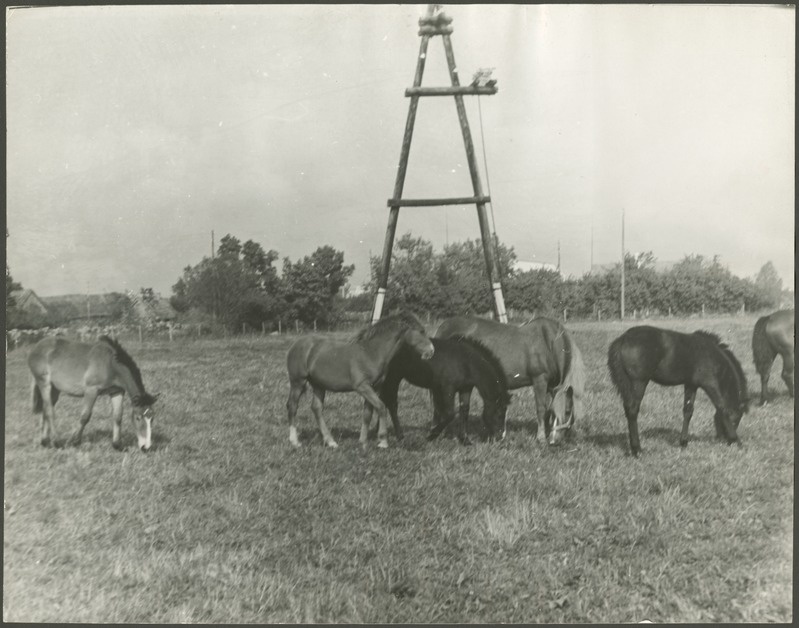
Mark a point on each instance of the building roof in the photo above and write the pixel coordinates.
(27, 300)
(522, 266)
(76, 306)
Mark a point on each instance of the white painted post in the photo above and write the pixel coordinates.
(141, 337)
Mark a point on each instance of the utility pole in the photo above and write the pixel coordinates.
(622, 263)
(558, 255)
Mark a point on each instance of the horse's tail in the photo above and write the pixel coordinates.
(37, 399)
(572, 384)
(618, 374)
(762, 351)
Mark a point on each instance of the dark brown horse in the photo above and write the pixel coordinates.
(458, 365)
(357, 365)
(670, 358)
(88, 370)
(542, 354)
(774, 335)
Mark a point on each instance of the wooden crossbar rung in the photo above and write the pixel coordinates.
(465, 90)
(434, 202)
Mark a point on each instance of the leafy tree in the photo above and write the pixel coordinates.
(11, 286)
(237, 286)
(537, 291)
(310, 285)
(769, 285)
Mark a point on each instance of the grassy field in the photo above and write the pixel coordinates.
(225, 522)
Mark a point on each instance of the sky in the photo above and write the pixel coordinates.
(134, 132)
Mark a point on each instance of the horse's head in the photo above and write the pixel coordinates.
(567, 402)
(564, 410)
(143, 416)
(496, 410)
(419, 342)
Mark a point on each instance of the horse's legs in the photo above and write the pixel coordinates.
(297, 389)
(632, 405)
(368, 393)
(444, 400)
(765, 374)
(116, 418)
(787, 371)
(687, 413)
(89, 397)
(540, 388)
(365, 425)
(388, 395)
(318, 405)
(464, 400)
(48, 411)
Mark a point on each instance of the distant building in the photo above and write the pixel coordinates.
(658, 266)
(28, 301)
(89, 308)
(155, 310)
(521, 266)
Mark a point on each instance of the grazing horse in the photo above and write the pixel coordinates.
(670, 358)
(88, 370)
(357, 365)
(540, 353)
(458, 365)
(774, 334)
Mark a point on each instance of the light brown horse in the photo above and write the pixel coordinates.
(358, 365)
(773, 335)
(88, 370)
(540, 353)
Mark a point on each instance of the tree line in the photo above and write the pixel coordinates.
(240, 288)
(455, 281)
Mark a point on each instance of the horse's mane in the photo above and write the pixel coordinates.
(389, 325)
(124, 358)
(739, 383)
(493, 361)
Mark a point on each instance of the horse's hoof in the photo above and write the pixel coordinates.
(117, 446)
(332, 444)
(683, 443)
(383, 444)
(45, 442)
(465, 441)
(296, 444)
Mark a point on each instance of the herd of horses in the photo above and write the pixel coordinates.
(465, 353)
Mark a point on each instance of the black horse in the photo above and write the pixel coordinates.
(670, 358)
(458, 365)
(772, 335)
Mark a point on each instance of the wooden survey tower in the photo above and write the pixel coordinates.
(436, 23)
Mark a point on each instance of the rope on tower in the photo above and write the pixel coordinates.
(488, 185)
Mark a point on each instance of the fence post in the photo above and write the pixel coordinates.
(297, 326)
(170, 332)
(565, 313)
(199, 329)
(141, 337)
(314, 325)
(263, 328)
(279, 326)
(703, 310)
(243, 328)
(599, 314)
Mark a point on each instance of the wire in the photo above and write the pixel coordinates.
(488, 182)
